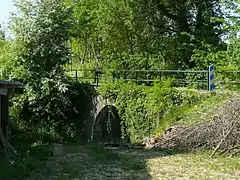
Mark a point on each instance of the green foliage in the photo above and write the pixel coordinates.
(135, 61)
(128, 33)
(5, 54)
(147, 111)
(113, 34)
(46, 110)
(226, 57)
(226, 63)
(41, 32)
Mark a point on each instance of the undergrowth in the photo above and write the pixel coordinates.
(31, 156)
(148, 110)
(201, 111)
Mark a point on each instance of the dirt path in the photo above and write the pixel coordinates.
(94, 162)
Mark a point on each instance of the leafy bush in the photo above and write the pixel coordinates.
(52, 114)
(40, 51)
(147, 111)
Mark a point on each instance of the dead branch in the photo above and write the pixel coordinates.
(223, 139)
(229, 149)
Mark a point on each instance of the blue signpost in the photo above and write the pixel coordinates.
(211, 86)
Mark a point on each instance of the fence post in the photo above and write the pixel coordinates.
(136, 77)
(211, 86)
(76, 75)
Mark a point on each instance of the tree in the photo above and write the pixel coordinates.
(226, 58)
(2, 33)
(5, 54)
(41, 31)
(109, 30)
(177, 26)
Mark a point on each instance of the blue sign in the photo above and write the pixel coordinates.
(211, 86)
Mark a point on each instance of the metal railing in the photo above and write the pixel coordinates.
(196, 78)
(200, 79)
(227, 79)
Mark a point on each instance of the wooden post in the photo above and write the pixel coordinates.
(1, 125)
(4, 114)
(6, 87)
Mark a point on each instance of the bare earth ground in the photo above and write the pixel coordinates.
(91, 162)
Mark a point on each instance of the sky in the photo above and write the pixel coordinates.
(6, 6)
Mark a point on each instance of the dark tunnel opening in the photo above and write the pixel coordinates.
(108, 126)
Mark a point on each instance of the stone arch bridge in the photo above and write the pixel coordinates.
(103, 124)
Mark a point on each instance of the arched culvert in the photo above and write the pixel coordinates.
(107, 126)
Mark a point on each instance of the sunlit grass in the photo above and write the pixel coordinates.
(193, 166)
(95, 162)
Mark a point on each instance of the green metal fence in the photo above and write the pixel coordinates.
(198, 79)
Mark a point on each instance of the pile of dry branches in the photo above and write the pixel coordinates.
(221, 134)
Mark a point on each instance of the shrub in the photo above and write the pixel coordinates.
(146, 111)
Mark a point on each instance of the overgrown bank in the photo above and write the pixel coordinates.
(148, 111)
